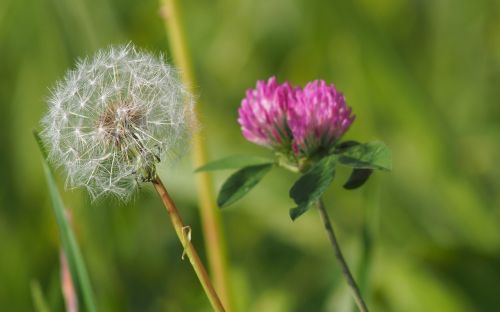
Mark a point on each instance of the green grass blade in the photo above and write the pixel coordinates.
(68, 241)
(39, 301)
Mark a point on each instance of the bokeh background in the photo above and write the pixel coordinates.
(423, 76)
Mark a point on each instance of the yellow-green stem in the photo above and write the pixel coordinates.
(189, 250)
(210, 215)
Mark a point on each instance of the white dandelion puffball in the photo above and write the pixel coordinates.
(113, 118)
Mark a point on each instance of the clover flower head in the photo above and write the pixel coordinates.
(318, 118)
(294, 120)
(114, 117)
(262, 115)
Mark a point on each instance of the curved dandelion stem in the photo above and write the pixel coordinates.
(189, 250)
(340, 258)
(210, 216)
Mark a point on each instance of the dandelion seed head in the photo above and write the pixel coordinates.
(114, 117)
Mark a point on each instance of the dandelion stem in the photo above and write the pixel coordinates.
(340, 258)
(189, 249)
(210, 215)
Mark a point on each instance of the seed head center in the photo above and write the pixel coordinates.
(118, 124)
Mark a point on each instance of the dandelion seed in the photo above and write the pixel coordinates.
(113, 118)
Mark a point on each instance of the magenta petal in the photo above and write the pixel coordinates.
(319, 116)
(262, 114)
(316, 116)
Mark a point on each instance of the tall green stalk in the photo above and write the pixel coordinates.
(210, 215)
(69, 244)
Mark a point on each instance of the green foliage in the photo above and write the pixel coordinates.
(234, 162)
(309, 187)
(373, 155)
(362, 157)
(70, 246)
(240, 183)
(39, 301)
(358, 177)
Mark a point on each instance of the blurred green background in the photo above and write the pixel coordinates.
(423, 76)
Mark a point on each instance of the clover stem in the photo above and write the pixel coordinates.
(189, 249)
(340, 258)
